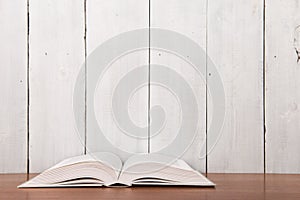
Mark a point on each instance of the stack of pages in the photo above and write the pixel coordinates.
(107, 169)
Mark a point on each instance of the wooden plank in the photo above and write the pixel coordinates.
(56, 55)
(117, 124)
(177, 90)
(235, 38)
(13, 81)
(282, 86)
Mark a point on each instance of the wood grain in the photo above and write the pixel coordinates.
(13, 82)
(235, 44)
(229, 186)
(56, 55)
(282, 86)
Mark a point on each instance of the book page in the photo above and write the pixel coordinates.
(93, 169)
(156, 158)
(157, 169)
(107, 158)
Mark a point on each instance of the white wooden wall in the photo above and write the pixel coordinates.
(53, 66)
(255, 46)
(13, 80)
(169, 16)
(235, 44)
(115, 17)
(282, 86)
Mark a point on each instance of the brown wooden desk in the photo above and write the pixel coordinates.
(229, 186)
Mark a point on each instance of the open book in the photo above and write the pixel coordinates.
(106, 169)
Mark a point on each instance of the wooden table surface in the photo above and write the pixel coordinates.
(229, 186)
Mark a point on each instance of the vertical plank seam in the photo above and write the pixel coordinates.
(85, 78)
(28, 92)
(149, 75)
(206, 109)
(264, 84)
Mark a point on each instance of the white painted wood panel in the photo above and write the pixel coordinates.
(171, 97)
(13, 82)
(56, 55)
(233, 31)
(282, 86)
(235, 45)
(108, 129)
